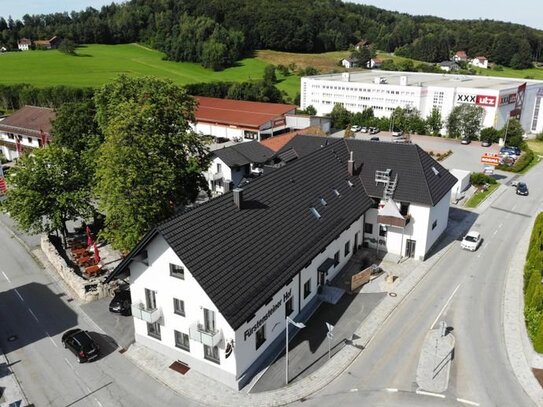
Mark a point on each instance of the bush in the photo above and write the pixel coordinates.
(478, 178)
(533, 288)
(539, 136)
(522, 162)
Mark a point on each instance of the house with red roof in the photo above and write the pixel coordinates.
(480, 62)
(460, 56)
(24, 44)
(239, 120)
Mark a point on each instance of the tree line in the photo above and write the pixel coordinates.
(216, 33)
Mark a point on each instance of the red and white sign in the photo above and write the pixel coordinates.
(483, 100)
(279, 122)
(491, 159)
(508, 99)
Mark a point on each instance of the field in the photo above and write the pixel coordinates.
(532, 73)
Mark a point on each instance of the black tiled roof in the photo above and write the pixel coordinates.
(417, 182)
(243, 257)
(241, 154)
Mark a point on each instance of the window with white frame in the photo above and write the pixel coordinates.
(307, 288)
(177, 271)
(179, 307)
(182, 340)
(212, 353)
(260, 336)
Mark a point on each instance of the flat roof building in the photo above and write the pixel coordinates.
(384, 91)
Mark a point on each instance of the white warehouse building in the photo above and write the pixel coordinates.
(384, 91)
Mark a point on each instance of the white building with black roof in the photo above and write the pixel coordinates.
(212, 287)
(231, 165)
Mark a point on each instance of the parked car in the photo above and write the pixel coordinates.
(364, 129)
(486, 143)
(374, 130)
(397, 133)
(374, 139)
(471, 241)
(81, 344)
(488, 170)
(522, 189)
(121, 302)
(355, 128)
(510, 151)
(466, 140)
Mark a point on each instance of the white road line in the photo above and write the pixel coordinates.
(471, 403)
(98, 401)
(445, 306)
(494, 234)
(68, 362)
(500, 225)
(19, 295)
(34, 315)
(6, 276)
(391, 390)
(427, 393)
(353, 390)
(51, 339)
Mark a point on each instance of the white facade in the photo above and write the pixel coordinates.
(150, 272)
(9, 145)
(479, 62)
(23, 45)
(220, 174)
(384, 91)
(240, 133)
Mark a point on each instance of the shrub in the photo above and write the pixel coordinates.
(522, 162)
(538, 339)
(478, 178)
(533, 319)
(539, 136)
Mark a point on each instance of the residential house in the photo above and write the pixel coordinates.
(236, 164)
(374, 63)
(212, 287)
(362, 44)
(24, 44)
(349, 62)
(448, 66)
(24, 130)
(480, 62)
(51, 43)
(460, 56)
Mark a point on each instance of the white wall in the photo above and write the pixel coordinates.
(439, 213)
(217, 130)
(157, 277)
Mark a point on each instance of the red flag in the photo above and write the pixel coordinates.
(90, 242)
(18, 146)
(96, 254)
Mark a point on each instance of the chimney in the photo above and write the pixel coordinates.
(346, 77)
(238, 197)
(226, 186)
(350, 165)
(403, 80)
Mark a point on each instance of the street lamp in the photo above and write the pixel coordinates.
(297, 325)
(505, 137)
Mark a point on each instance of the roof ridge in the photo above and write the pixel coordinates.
(419, 151)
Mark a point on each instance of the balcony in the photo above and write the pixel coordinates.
(213, 176)
(150, 315)
(198, 333)
(396, 221)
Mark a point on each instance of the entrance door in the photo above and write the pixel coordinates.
(410, 248)
(355, 243)
(322, 277)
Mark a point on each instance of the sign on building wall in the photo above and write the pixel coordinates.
(519, 102)
(483, 100)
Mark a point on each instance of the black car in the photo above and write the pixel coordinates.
(121, 302)
(522, 189)
(374, 138)
(81, 344)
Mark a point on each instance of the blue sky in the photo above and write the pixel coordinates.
(519, 11)
(525, 12)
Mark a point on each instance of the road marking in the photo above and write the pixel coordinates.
(51, 339)
(494, 234)
(353, 390)
(19, 295)
(445, 306)
(98, 401)
(7, 278)
(34, 315)
(471, 403)
(427, 393)
(390, 389)
(500, 225)
(68, 362)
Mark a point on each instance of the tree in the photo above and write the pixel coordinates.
(151, 162)
(489, 134)
(340, 117)
(269, 75)
(75, 126)
(67, 46)
(512, 133)
(434, 122)
(47, 189)
(465, 121)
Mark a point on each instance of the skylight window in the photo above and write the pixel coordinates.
(436, 172)
(350, 183)
(336, 192)
(323, 202)
(315, 213)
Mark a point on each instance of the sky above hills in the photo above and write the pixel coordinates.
(519, 11)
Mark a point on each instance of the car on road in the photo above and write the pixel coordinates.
(486, 143)
(374, 139)
(471, 241)
(397, 133)
(364, 129)
(81, 344)
(522, 189)
(465, 140)
(355, 128)
(374, 130)
(121, 302)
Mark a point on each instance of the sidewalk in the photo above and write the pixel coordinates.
(11, 393)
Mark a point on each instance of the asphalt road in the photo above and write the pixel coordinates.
(465, 289)
(34, 312)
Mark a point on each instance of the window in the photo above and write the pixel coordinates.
(182, 340)
(288, 307)
(177, 271)
(347, 248)
(179, 307)
(307, 288)
(260, 336)
(150, 299)
(219, 167)
(434, 224)
(29, 139)
(368, 228)
(336, 258)
(209, 320)
(212, 353)
(11, 136)
(382, 231)
(404, 208)
(144, 257)
(153, 330)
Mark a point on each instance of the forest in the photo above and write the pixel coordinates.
(217, 33)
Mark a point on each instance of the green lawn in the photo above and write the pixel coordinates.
(532, 73)
(97, 64)
(481, 196)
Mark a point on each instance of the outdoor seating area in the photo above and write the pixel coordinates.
(85, 254)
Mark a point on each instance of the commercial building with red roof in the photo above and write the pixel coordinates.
(240, 120)
(26, 129)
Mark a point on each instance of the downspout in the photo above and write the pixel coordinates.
(299, 292)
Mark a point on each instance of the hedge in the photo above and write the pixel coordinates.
(523, 161)
(533, 288)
